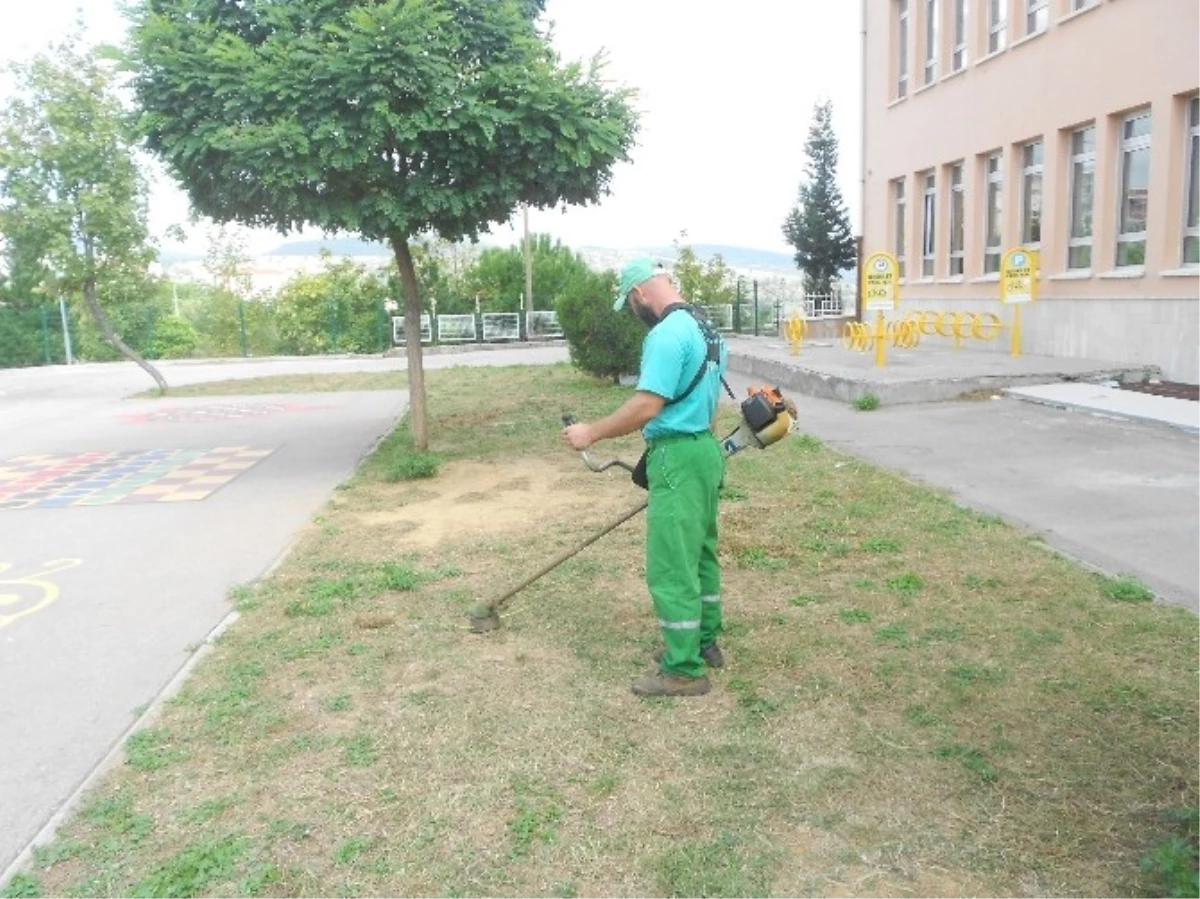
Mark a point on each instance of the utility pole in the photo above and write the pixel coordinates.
(528, 264)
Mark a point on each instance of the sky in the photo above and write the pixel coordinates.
(725, 93)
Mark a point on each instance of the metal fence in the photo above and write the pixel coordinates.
(483, 327)
(762, 305)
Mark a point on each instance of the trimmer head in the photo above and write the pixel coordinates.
(484, 619)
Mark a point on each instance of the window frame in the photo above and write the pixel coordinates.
(1082, 157)
(928, 223)
(1031, 170)
(899, 211)
(902, 22)
(993, 176)
(1036, 10)
(956, 260)
(997, 22)
(1191, 182)
(960, 53)
(1127, 147)
(931, 41)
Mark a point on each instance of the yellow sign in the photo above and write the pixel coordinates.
(881, 282)
(1018, 276)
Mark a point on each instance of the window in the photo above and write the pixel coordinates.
(902, 48)
(1031, 194)
(997, 18)
(1082, 4)
(931, 40)
(957, 223)
(898, 208)
(1191, 215)
(928, 207)
(1083, 186)
(959, 56)
(1135, 189)
(995, 204)
(1037, 15)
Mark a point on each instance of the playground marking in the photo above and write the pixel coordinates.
(43, 481)
(48, 589)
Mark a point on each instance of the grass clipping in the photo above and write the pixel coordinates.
(918, 700)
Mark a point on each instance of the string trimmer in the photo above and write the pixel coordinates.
(766, 418)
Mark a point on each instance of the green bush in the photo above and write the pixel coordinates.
(603, 343)
(174, 338)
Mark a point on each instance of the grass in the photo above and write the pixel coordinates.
(866, 403)
(300, 383)
(917, 700)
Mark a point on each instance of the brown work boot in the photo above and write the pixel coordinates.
(712, 655)
(663, 684)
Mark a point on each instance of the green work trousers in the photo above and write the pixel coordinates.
(682, 571)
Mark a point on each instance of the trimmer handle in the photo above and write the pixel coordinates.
(568, 419)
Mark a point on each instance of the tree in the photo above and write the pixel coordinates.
(601, 342)
(498, 276)
(388, 119)
(818, 227)
(703, 284)
(339, 309)
(72, 200)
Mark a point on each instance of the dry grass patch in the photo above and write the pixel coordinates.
(919, 700)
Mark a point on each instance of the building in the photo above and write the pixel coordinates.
(1068, 126)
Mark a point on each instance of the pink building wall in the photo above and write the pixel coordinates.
(1091, 66)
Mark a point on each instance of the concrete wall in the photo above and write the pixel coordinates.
(1088, 67)
(1160, 333)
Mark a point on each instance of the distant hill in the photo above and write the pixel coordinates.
(338, 246)
(735, 257)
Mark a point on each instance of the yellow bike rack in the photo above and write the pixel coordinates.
(796, 329)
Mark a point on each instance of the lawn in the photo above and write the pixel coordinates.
(919, 700)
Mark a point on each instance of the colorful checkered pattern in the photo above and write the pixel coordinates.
(105, 478)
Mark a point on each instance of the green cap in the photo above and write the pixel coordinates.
(636, 271)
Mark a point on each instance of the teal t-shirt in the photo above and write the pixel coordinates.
(671, 353)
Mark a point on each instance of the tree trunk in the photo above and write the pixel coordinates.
(412, 345)
(106, 328)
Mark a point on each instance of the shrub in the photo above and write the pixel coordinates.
(603, 343)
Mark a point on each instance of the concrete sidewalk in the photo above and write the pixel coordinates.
(927, 373)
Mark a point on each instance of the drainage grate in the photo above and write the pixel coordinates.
(1173, 389)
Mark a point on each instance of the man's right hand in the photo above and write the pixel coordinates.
(579, 435)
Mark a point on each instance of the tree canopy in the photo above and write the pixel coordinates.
(72, 199)
(385, 118)
(818, 227)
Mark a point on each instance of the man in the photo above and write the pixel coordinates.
(675, 407)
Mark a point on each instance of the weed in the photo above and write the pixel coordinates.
(720, 867)
(359, 751)
(894, 633)
(803, 600)
(733, 494)
(206, 811)
(22, 885)
(412, 467)
(258, 879)
(855, 616)
(153, 749)
(193, 870)
(907, 584)
(757, 557)
(116, 816)
(966, 675)
(866, 402)
(538, 811)
(1173, 863)
(882, 545)
(340, 703)
(348, 850)
(971, 759)
(920, 716)
(1126, 588)
(807, 443)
